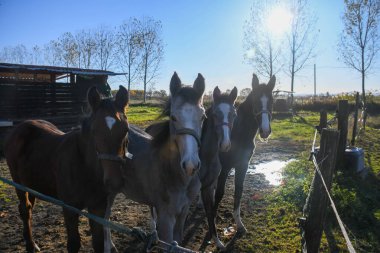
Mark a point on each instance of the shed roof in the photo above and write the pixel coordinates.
(52, 70)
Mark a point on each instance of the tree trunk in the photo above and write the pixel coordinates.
(145, 75)
(363, 91)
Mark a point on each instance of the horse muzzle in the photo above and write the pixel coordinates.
(191, 166)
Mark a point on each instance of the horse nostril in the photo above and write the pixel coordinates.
(183, 165)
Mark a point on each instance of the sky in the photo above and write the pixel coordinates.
(200, 36)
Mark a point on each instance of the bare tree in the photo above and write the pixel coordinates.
(152, 49)
(302, 38)
(262, 47)
(35, 55)
(70, 53)
(86, 48)
(129, 49)
(53, 53)
(359, 40)
(245, 92)
(5, 54)
(18, 54)
(105, 47)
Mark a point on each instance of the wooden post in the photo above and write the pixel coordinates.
(356, 112)
(315, 208)
(343, 129)
(322, 121)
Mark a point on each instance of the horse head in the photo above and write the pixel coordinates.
(262, 102)
(108, 129)
(186, 118)
(224, 113)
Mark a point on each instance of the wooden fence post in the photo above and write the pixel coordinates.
(322, 120)
(355, 127)
(315, 208)
(343, 129)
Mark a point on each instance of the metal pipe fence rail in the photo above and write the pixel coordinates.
(151, 239)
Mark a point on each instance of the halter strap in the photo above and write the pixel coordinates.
(263, 111)
(112, 157)
(225, 124)
(189, 131)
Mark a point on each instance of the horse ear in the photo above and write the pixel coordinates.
(272, 82)
(199, 84)
(122, 98)
(216, 93)
(233, 95)
(93, 98)
(175, 84)
(255, 81)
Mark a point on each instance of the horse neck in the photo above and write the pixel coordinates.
(210, 140)
(245, 125)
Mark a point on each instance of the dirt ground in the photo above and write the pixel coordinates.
(49, 231)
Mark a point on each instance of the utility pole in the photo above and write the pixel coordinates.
(315, 82)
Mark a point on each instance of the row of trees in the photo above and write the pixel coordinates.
(270, 53)
(135, 48)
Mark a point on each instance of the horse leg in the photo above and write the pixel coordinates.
(180, 224)
(109, 246)
(73, 237)
(153, 219)
(25, 209)
(240, 172)
(208, 200)
(97, 230)
(165, 224)
(219, 192)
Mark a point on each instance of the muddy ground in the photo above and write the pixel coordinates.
(49, 231)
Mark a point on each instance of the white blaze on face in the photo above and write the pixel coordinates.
(225, 109)
(265, 126)
(189, 118)
(110, 121)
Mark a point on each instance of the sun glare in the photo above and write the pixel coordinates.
(278, 21)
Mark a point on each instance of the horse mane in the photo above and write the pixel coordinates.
(161, 133)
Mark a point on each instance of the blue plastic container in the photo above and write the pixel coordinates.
(354, 158)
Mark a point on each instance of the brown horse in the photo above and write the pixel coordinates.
(81, 167)
(164, 171)
(253, 117)
(216, 138)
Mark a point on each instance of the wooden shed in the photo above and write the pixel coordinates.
(56, 94)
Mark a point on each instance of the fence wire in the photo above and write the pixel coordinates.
(151, 240)
(341, 225)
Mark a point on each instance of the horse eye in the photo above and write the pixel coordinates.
(173, 118)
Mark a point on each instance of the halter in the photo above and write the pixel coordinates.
(188, 131)
(225, 124)
(261, 112)
(112, 157)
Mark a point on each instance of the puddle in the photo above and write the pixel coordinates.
(271, 170)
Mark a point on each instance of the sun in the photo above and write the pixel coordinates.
(279, 20)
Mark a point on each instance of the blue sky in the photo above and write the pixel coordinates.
(200, 35)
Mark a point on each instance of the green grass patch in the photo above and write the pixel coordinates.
(143, 115)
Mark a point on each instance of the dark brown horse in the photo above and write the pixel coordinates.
(81, 167)
(216, 133)
(253, 116)
(164, 172)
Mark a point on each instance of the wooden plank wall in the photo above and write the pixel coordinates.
(56, 102)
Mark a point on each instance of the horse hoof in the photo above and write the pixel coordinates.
(33, 248)
(241, 231)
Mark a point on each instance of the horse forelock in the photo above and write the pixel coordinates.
(187, 94)
(105, 104)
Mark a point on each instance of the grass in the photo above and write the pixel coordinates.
(357, 199)
(143, 115)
